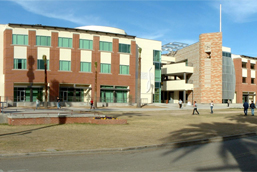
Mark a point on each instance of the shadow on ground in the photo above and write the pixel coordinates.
(195, 133)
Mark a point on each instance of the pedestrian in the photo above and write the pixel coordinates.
(37, 103)
(211, 105)
(246, 106)
(91, 104)
(228, 102)
(252, 106)
(180, 103)
(195, 108)
(58, 103)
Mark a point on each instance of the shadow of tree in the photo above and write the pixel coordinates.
(130, 115)
(194, 134)
(28, 131)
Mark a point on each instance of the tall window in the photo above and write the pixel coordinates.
(244, 64)
(85, 44)
(65, 42)
(157, 75)
(124, 48)
(41, 64)
(252, 66)
(156, 56)
(43, 40)
(252, 80)
(85, 66)
(105, 46)
(65, 65)
(124, 69)
(19, 39)
(20, 63)
(244, 80)
(105, 68)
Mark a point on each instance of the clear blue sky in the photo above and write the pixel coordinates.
(163, 20)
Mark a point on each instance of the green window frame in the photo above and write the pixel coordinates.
(43, 40)
(156, 56)
(124, 69)
(41, 64)
(124, 48)
(85, 66)
(158, 75)
(64, 65)
(105, 68)
(20, 63)
(18, 39)
(65, 42)
(105, 46)
(86, 44)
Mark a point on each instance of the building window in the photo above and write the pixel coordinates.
(244, 80)
(157, 95)
(124, 48)
(19, 39)
(65, 42)
(252, 66)
(105, 68)
(158, 66)
(105, 46)
(85, 66)
(43, 40)
(158, 75)
(65, 65)
(86, 44)
(20, 63)
(252, 80)
(71, 94)
(156, 56)
(226, 54)
(41, 64)
(244, 64)
(124, 69)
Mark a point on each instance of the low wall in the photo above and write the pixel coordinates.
(62, 120)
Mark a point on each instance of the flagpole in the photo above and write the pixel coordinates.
(220, 17)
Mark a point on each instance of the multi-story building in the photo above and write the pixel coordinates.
(245, 69)
(201, 72)
(73, 55)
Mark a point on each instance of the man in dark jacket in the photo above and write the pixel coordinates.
(246, 106)
(252, 106)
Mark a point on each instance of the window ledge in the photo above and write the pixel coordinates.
(20, 45)
(43, 46)
(84, 72)
(21, 69)
(65, 48)
(42, 70)
(106, 51)
(64, 71)
(124, 53)
(125, 74)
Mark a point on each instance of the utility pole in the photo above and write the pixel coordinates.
(45, 63)
(139, 79)
(95, 95)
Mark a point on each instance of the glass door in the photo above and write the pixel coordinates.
(65, 96)
(21, 96)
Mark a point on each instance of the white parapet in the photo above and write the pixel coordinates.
(176, 85)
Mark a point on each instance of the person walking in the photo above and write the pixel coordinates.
(252, 106)
(246, 106)
(37, 103)
(91, 104)
(195, 108)
(180, 103)
(211, 105)
(228, 102)
(58, 103)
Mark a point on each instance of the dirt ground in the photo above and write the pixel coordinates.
(143, 128)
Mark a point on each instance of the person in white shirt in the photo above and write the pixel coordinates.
(211, 105)
(180, 103)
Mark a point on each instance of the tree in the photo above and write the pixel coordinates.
(45, 63)
(95, 89)
(139, 79)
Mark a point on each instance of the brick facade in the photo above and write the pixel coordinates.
(56, 77)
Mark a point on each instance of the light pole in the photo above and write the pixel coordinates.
(45, 64)
(139, 79)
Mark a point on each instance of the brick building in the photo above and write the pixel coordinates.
(71, 56)
(200, 72)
